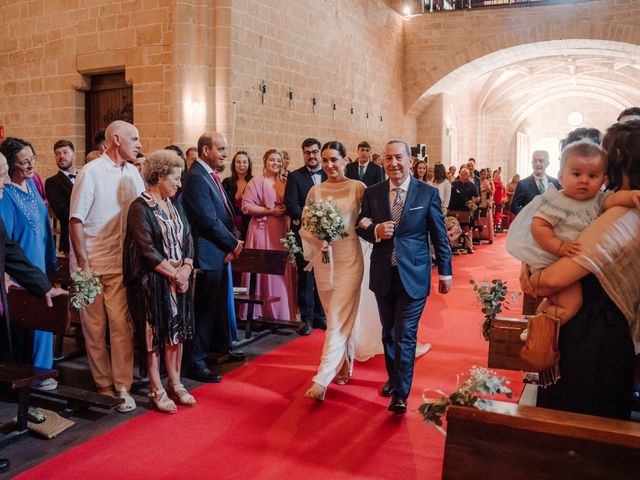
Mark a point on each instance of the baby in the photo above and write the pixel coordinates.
(547, 228)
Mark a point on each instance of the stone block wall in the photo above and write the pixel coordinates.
(347, 54)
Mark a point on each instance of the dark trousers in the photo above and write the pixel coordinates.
(399, 314)
(212, 316)
(308, 299)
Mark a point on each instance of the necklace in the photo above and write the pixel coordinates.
(30, 208)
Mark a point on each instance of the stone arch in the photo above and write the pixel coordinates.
(465, 72)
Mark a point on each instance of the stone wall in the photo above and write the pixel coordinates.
(347, 54)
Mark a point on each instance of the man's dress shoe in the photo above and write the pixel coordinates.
(387, 389)
(4, 464)
(304, 329)
(204, 375)
(320, 322)
(398, 405)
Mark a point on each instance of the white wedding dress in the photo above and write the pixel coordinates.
(338, 282)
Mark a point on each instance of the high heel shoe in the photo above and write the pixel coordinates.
(316, 392)
(343, 376)
(162, 401)
(180, 394)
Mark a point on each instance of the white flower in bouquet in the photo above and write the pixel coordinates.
(85, 288)
(322, 219)
(291, 245)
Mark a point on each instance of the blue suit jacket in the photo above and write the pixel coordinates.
(211, 224)
(526, 189)
(421, 215)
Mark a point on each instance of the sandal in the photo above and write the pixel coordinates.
(128, 405)
(316, 392)
(162, 401)
(181, 395)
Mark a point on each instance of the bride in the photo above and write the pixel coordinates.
(338, 282)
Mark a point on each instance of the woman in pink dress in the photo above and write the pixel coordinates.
(263, 201)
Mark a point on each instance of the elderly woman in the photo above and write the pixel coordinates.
(597, 345)
(26, 218)
(157, 265)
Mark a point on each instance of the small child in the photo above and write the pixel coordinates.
(547, 228)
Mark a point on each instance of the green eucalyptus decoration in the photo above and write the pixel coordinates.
(479, 382)
(85, 288)
(493, 297)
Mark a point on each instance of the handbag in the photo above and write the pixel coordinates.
(540, 352)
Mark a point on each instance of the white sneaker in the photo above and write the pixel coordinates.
(46, 385)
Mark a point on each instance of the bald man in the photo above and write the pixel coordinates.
(100, 199)
(210, 215)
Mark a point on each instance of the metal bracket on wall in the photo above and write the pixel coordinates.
(263, 90)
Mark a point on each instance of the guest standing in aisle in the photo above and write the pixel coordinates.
(299, 182)
(210, 216)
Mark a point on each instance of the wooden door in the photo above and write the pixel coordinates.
(109, 99)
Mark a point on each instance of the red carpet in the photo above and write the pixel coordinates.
(256, 423)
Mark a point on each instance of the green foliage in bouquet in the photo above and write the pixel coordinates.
(323, 220)
(291, 245)
(479, 382)
(85, 288)
(492, 296)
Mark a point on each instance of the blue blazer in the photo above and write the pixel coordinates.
(526, 189)
(421, 216)
(211, 224)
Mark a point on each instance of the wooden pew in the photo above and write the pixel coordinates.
(254, 262)
(522, 442)
(30, 313)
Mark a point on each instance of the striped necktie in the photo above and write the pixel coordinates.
(396, 213)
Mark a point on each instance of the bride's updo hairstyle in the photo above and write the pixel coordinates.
(335, 145)
(622, 144)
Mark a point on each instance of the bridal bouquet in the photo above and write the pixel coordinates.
(324, 222)
(291, 245)
(84, 289)
(479, 381)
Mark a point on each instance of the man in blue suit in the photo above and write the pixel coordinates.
(403, 212)
(534, 184)
(210, 215)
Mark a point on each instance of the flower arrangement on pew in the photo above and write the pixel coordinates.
(492, 296)
(324, 222)
(472, 204)
(479, 382)
(85, 288)
(290, 244)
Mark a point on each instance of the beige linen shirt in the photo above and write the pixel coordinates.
(100, 199)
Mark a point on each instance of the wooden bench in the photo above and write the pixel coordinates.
(265, 262)
(20, 377)
(30, 313)
(522, 442)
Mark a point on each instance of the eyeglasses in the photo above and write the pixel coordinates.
(307, 153)
(28, 161)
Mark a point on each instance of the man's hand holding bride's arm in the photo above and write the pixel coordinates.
(384, 231)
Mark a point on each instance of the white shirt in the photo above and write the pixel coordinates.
(100, 199)
(315, 177)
